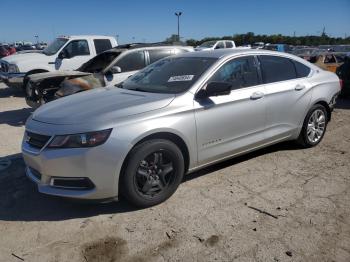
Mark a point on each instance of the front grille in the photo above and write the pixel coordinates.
(37, 140)
(4, 67)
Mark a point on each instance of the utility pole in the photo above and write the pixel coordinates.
(37, 39)
(117, 38)
(178, 14)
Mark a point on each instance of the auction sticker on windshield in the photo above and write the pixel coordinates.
(181, 78)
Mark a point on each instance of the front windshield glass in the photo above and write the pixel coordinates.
(55, 46)
(208, 44)
(169, 75)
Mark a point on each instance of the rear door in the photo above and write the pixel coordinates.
(287, 94)
(231, 123)
(102, 45)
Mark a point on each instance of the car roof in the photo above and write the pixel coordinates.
(227, 53)
(123, 48)
(85, 36)
(230, 52)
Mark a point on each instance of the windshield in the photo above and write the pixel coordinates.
(55, 46)
(169, 75)
(208, 44)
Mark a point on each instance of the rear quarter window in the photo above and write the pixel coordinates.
(275, 69)
(102, 45)
(301, 69)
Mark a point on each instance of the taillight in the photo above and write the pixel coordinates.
(341, 82)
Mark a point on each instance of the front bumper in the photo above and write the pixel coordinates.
(101, 165)
(12, 79)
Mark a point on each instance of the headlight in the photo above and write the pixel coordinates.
(90, 139)
(13, 68)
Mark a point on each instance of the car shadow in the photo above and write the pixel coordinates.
(21, 201)
(16, 117)
(343, 103)
(284, 146)
(10, 91)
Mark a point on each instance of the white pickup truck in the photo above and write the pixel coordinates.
(64, 53)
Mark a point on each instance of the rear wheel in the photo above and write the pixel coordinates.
(154, 170)
(314, 126)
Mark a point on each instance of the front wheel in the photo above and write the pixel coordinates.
(314, 126)
(154, 170)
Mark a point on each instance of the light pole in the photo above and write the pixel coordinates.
(178, 14)
(37, 39)
(117, 37)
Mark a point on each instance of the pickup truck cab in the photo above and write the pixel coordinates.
(64, 53)
(212, 45)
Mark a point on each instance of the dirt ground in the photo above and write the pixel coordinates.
(217, 214)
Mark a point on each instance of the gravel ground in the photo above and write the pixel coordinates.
(278, 204)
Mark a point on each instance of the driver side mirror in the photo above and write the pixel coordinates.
(214, 89)
(63, 54)
(115, 70)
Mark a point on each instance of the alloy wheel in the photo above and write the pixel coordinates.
(316, 126)
(154, 174)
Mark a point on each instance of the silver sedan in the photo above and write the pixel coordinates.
(175, 116)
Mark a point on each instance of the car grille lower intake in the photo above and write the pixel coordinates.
(4, 67)
(37, 140)
(73, 183)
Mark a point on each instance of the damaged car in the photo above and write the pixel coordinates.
(108, 68)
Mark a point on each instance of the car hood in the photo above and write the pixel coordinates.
(101, 105)
(19, 58)
(56, 74)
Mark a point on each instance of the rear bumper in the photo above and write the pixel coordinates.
(333, 101)
(12, 79)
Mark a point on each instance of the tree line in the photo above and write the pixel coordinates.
(250, 38)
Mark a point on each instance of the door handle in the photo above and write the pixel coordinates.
(299, 87)
(257, 95)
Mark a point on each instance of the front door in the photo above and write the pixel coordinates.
(232, 123)
(75, 54)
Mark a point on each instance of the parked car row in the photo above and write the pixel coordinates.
(108, 68)
(6, 50)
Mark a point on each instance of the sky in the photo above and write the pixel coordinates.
(154, 20)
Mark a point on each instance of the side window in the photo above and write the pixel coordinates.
(178, 51)
(229, 44)
(132, 61)
(220, 45)
(302, 70)
(102, 45)
(275, 68)
(329, 59)
(340, 58)
(240, 72)
(157, 54)
(77, 48)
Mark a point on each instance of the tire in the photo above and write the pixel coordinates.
(313, 128)
(153, 172)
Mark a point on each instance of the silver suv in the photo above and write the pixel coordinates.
(176, 116)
